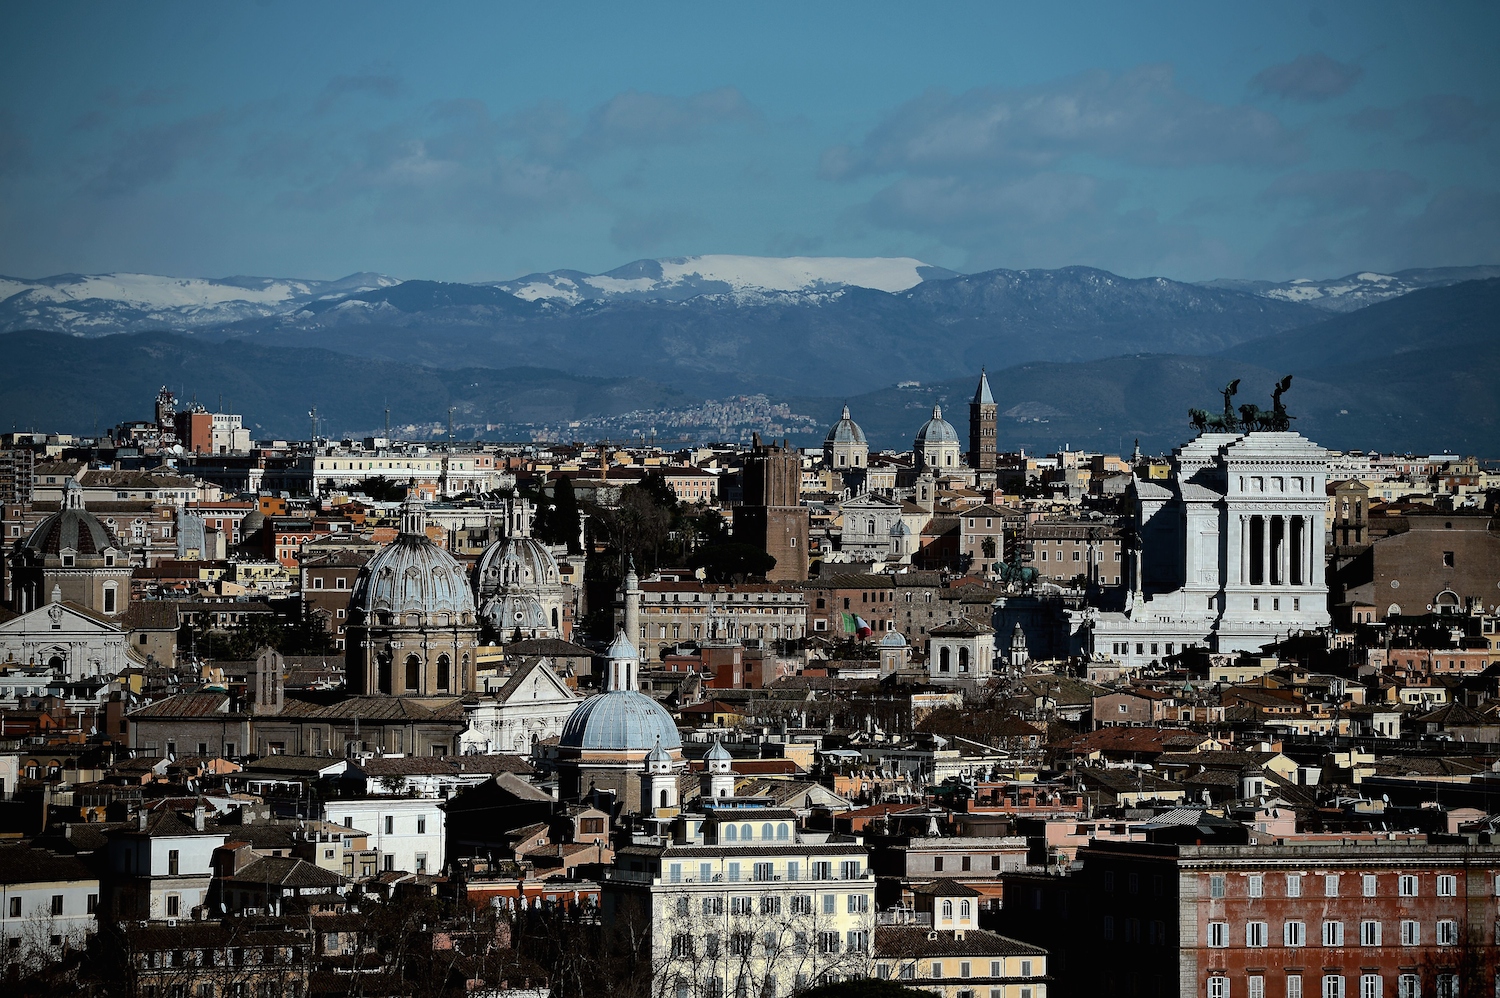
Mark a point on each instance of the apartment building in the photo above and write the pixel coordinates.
(1372, 918)
(741, 902)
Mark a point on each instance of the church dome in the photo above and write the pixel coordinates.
(620, 721)
(514, 561)
(71, 528)
(412, 575)
(936, 430)
(516, 610)
(845, 431)
(252, 522)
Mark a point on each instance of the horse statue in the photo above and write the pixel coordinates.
(1253, 416)
(1202, 421)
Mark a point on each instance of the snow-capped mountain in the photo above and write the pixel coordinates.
(1355, 291)
(746, 279)
(95, 304)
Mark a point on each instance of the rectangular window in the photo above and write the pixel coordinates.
(830, 904)
(793, 870)
(57, 904)
(1408, 986)
(174, 858)
(174, 905)
(390, 825)
(1216, 886)
(1333, 986)
(1411, 933)
(1257, 885)
(733, 875)
(1447, 886)
(1331, 885)
(1256, 934)
(764, 871)
(421, 863)
(1294, 934)
(1218, 987)
(1369, 933)
(1294, 885)
(1218, 934)
(1369, 986)
(1333, 933)
(1255, 986)
(1294, 986)
(1447, 932)
(421, 824)
(937, 864)
(770, 904)
(802, 904)
(963, 969)
(858, 904)
(1408, 886)
(1368, 884)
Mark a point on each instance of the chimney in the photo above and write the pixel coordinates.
(198, 816)
(140, 821)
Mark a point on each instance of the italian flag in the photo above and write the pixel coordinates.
(857, 625)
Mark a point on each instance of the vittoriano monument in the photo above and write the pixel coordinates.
(1251, 417)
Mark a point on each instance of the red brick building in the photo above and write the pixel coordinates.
(1358, 918)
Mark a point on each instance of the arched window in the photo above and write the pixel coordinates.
(943, 659)
(413, 672)
(781, 832)
(766, 832)
(948, 910)
(442, 673)
(554, 618)
(746, 833)
(963, 909)
(663, 798)
(730, 833)
(55, 662)
(963, 660)
(383, 673)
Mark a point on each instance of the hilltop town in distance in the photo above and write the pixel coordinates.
(391, 716)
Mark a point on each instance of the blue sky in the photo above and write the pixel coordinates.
(485, 141)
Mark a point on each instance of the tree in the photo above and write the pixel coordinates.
(381, 489)
(557, 520)
(732, 562)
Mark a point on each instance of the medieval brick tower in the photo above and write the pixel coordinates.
(983, 413)
(773, 517)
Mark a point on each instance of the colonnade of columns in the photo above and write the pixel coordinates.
(1277, 550)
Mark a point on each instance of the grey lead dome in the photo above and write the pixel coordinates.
(936, 430)
(413, 575)
(620, 721)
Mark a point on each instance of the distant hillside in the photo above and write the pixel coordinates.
(54, 381)
(795, 345)
(1418, 373)
(1415, 373)
(1355, 291)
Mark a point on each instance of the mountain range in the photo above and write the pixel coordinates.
(1076, 355)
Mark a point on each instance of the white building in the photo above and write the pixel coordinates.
(531, 707)
(159, 869)
(46, 901)
(1230, 550)
(407, 831)
(740, 902)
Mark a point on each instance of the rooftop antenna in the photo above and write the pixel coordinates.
(313, 418)
(450, 426)
(387, 425)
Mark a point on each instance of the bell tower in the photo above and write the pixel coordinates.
(983, 414)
